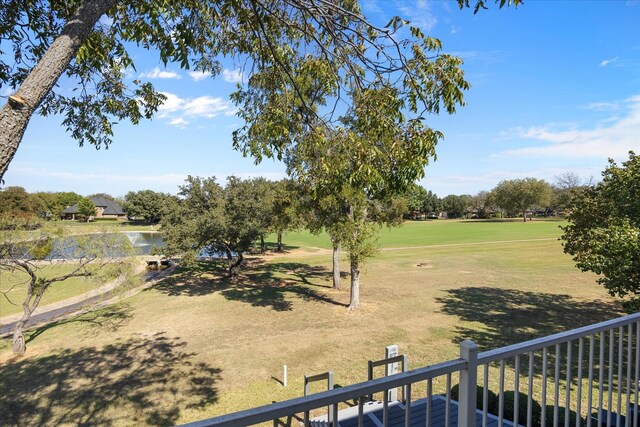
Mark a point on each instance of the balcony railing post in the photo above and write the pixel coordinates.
(468, 385)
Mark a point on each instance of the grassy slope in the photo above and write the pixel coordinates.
(196, 345)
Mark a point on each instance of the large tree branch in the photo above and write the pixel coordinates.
(15, 115)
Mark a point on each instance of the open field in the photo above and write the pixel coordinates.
(197, 345)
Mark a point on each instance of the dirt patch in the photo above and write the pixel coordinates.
(424, 265)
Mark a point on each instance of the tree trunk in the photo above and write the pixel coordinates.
(354, 302)
(336, 266)
(262, 243)
(524, 216)
(15, 115)
(19, 345)
(279, 247)
(234, 268)
(229, 260)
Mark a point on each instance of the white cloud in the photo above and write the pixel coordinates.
(198, 75)
(180, 111)
(232, 76)
(156, 73)
(611, 137)
(603, 106)
(419, 13)
(606, 62)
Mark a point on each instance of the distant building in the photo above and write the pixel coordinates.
(105, 208)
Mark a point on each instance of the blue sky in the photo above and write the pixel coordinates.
(555, 88)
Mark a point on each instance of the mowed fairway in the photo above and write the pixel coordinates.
(197, 345)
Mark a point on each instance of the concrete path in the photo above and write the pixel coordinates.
(97, 298)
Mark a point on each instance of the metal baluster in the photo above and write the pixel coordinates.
(620, 362)
(516, 391)
(360, 411)
(610, 389)
(579, 391)
(567, 386)
(601, 379)
(543, 413)
(407, 405)
(385, 408)
(628, 394)
(590, 392)
(306, 418)
(556, 394)
(501, 395)
(485, 396)
(447, 409)
(530, 392)
(429, 397)
(637, 376)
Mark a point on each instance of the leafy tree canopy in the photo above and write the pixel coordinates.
(603, 234)
(146, 204)
(213, 219)
(518, 195)
(89, 40)
(86, 208)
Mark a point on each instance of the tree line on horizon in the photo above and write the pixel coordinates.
(509, 199)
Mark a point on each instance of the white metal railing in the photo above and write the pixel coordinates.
(588, 375)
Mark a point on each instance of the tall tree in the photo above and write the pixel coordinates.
(50, 38)
(26, 258)
(146, 204)
(603, 234)
(518, 195)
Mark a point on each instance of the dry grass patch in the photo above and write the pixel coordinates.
(284, 311)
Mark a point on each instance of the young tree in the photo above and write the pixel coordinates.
(48, 38)
(86, 208)
(518, 195)
(26, 257)
(286, 212)
(603, 234)
(146, 204)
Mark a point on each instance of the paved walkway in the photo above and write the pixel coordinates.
(97, 298)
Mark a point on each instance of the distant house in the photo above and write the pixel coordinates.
(105, 208)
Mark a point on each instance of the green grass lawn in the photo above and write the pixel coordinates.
(13, 287)
(197, 345)
(437, 232)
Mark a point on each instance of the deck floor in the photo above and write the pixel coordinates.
(373, 414)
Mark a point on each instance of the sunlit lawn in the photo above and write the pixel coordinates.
(14, 287)
(197, 345)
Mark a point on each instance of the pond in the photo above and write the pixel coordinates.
(143, 242)
(107, 244)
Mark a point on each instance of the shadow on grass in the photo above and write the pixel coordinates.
(259, 284)
(110, 319)
(509, 316)
(142, 380)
